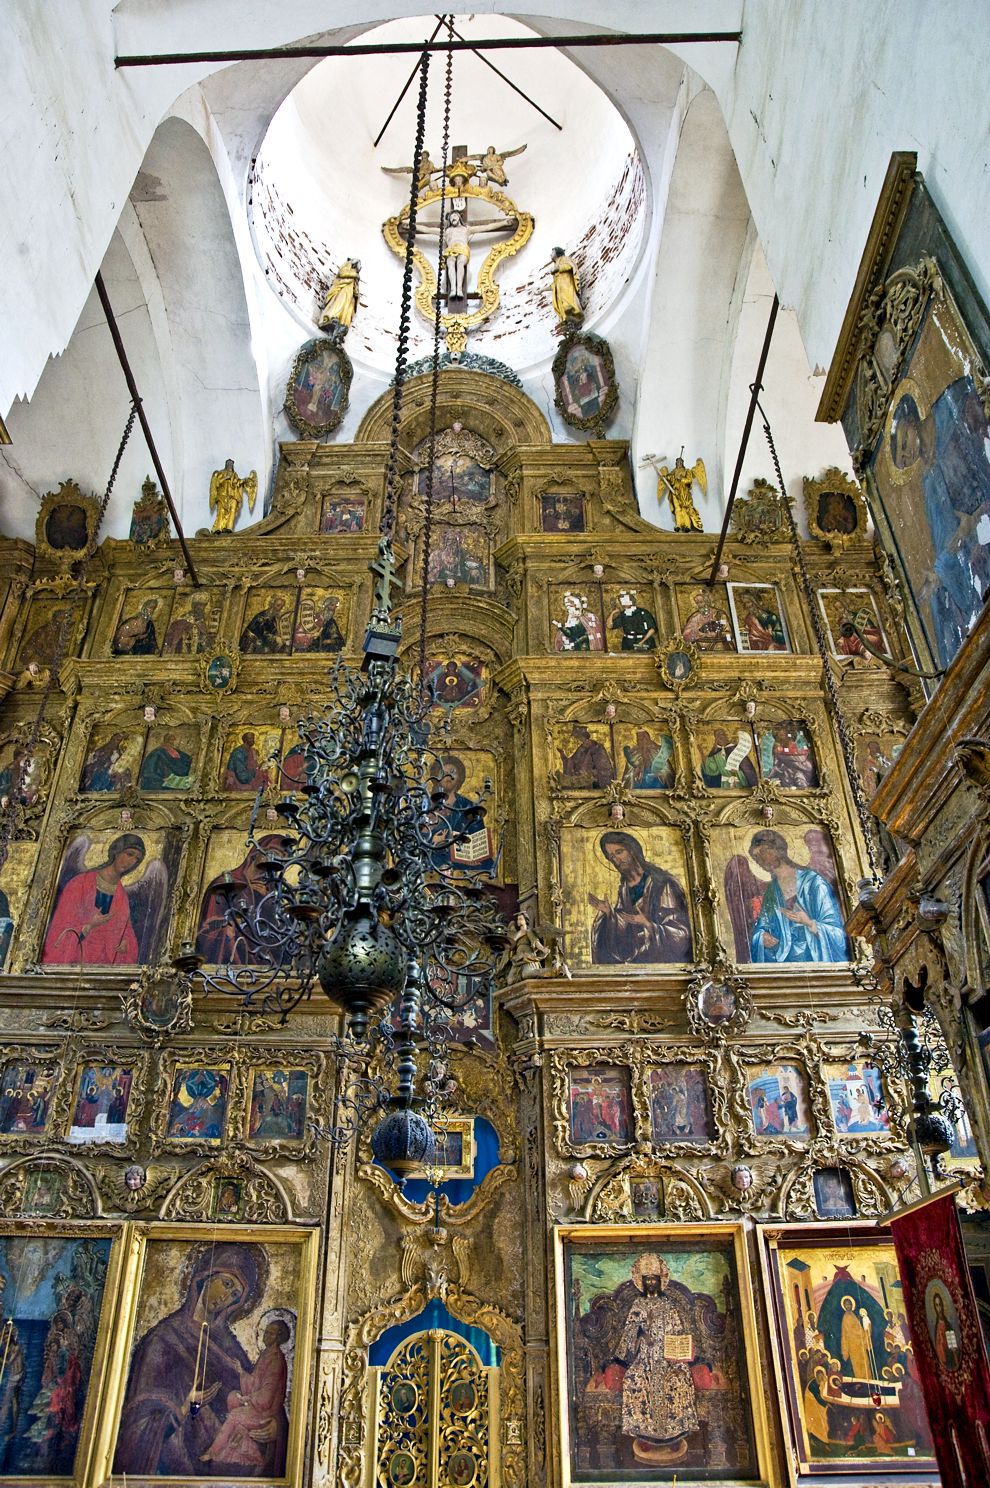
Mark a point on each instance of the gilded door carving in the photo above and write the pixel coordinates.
(435, 1416)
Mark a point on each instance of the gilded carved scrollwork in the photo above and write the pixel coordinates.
(255, 1195)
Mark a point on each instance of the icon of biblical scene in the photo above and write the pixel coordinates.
(584, 377)
(198, 1106)
(52, 1298)
(584, 753)
(778, 1101)
(600, 1104)
(26, 1095)
(149, 516)
(214, 1378)
(717, 1003)
(268, 622)
(458, 555)
(705, 622)
(462, 469)
(248, 759)
(630, 624)
(277, 621)
(47, 621)
(233, 884)
(456, 1150)
(462, 776)
(23, 774)
(856, 1097)
(875, 753)
(472, 1022)
(220, 672)
(680, 1104)
(843, 608)
(113, 760)
(316, 396)
(575, 619)
(112, 899)
(624, 897)
(277, 1106)
(15, 881)
(656, 1360)
(169, 756)
(758, 617)
(781, 894)
(455, 682)
(646, 753)
(726, 756)
(67, 527)
(102, 1095)
(787, 756)
(143, 623)
(561, 513)
(342, 512)
(195, 621)
(297, 763)
(931, 474)
(963, 1152)
(835, 511)
(834, 1197)
(676, 665)
(847, 1356)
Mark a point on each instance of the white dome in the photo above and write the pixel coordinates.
(319, 194)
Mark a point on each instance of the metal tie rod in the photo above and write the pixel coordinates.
(398, 48)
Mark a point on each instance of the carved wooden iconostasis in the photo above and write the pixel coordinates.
(685, 1074)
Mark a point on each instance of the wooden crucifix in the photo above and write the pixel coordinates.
(459, 230)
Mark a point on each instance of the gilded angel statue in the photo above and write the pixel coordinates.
(227, 492)
(491, 165)
(427, 170)
(677, 483)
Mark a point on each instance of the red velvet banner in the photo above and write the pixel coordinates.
(948, 1341)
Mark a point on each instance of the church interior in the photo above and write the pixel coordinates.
(467, 1023)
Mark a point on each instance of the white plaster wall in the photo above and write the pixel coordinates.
(218, 406)
(691, 323)
(72, 425)
(820, 97)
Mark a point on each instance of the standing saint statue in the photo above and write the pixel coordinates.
(566, 290)
(227, 492)
(677, 484)
(341, 302)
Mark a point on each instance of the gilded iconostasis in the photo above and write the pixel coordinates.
(649, 1246)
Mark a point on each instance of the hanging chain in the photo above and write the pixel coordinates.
(435, 379)
(393, 479)
(12, 816)
(866, 823)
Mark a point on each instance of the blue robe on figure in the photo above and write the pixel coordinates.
(816, 897)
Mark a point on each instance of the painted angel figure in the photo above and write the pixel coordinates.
(677, 483)
(491, 165)
(98, 918)
(227, 492)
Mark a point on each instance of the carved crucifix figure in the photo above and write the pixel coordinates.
(458, 234)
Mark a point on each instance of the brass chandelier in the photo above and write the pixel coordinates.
(364, 902)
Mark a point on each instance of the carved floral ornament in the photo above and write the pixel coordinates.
(887, 325)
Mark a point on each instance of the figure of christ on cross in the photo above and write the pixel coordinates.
(458, 233)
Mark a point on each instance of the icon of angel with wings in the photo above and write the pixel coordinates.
(109, 904)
